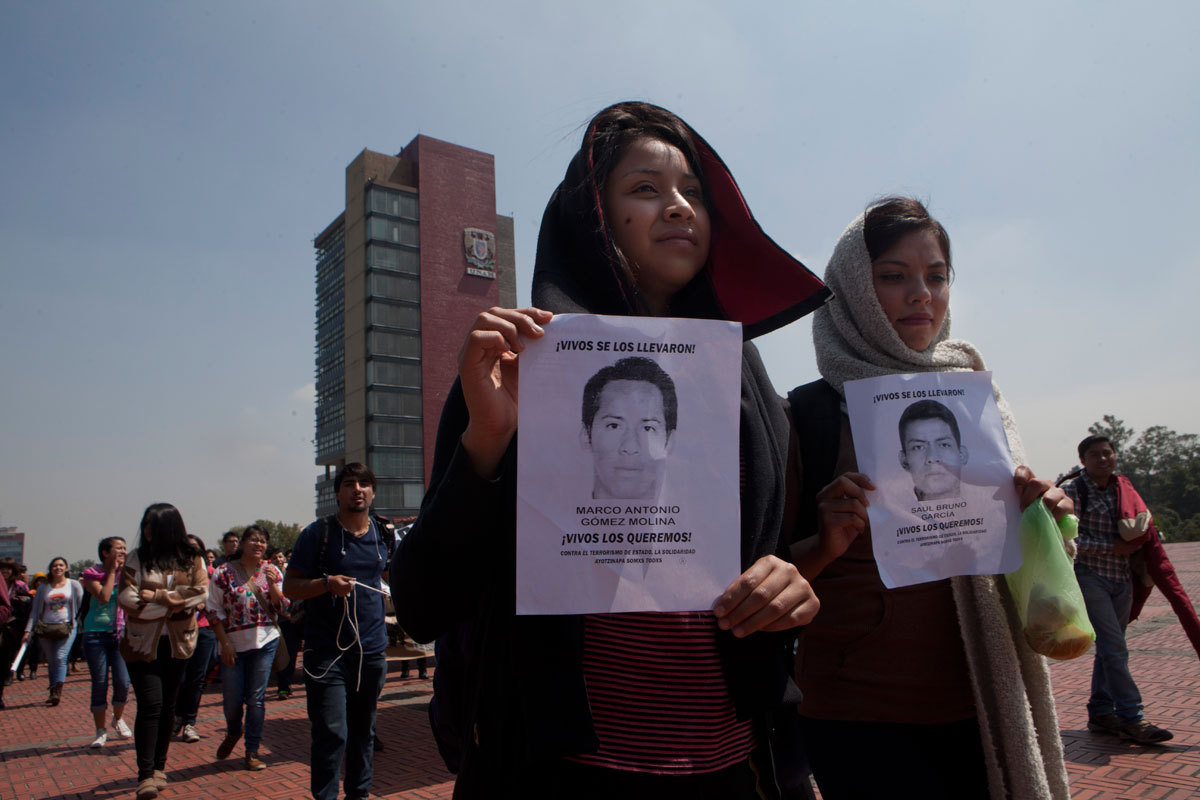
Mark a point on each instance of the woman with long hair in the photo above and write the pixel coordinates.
(935, 679)
(244, 601)
(52, 619)
(102, 628)
(163, 583)
(648, 221)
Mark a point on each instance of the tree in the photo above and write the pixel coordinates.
(283, 534)
(1114, 429)
(77, 567)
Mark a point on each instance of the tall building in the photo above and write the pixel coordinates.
(402, 272)
(12, 543)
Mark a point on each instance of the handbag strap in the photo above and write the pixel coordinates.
(262, 603)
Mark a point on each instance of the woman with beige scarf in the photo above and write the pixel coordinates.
(932, 684)
(162, 583)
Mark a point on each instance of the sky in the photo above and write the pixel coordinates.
(165, 167)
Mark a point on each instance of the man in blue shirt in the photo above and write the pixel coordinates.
(337, 567)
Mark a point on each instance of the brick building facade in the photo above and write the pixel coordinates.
(401, 273)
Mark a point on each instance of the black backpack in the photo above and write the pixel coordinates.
(817, 419)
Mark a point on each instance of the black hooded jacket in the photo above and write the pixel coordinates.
(520, 697)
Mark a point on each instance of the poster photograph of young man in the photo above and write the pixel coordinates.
(935, 448)
(630, 411)
(627, 465)
(931, 450)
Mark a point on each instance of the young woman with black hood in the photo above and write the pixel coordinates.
(647, 221)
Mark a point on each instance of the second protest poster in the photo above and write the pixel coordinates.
(627, 465)
(935, 448)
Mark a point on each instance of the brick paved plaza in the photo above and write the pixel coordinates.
(44, 754)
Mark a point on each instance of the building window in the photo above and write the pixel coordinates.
(393, 287)
(395, 434)
(393, 230)
(394, 316)
(394, 404)
(391, 202)
(391, 464)
(386, 343)
(394, 373)
(397, 259)
(399, 495)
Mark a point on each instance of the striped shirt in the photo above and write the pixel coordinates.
(659, 699)
(1098, 528)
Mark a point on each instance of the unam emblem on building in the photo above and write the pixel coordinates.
(479, 247)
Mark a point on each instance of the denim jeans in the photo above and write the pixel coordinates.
(244, 685)
(54, 652)
(1113, 689)
(194, 676)
(102, 654)
(155, 683)
(342, 713)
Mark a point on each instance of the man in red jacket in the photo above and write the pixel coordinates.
(1102, 567)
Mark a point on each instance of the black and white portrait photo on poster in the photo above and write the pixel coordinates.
(944, 504)
(627, 465)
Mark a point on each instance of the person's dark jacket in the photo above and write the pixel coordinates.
(6, 608)
(520, 697)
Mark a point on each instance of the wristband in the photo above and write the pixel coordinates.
(325, 578)
(1068, 526)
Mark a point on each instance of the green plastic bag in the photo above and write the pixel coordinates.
(1049, 602)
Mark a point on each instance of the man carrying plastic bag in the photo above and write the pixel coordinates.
(1103, 567)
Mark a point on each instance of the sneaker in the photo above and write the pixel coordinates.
(101, 738)
(1105, 723)
(189, 734)
(284, 694)
(254, 763)
(226, 745)
(122, 729)
(1143, 732)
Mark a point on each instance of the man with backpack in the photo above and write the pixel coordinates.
(1105, 504)
(337, 568)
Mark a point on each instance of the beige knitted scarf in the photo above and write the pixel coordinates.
(1013, 699)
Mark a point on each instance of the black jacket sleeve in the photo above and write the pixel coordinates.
(463, 536)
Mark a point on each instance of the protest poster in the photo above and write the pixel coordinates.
(944, 503)
(627, 465)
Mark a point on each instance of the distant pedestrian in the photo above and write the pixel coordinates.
(195, 677)
(52, 619)
(163, 583)
(229, 544)
(291, 620)
(12, 630)
(338, 566)
(102, 628)
(244, 599)
(1102, 564)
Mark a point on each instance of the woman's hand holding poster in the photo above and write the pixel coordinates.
(935, 448)
(627, 465)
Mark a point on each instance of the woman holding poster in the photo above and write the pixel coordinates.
(648, 221)
(935, 676)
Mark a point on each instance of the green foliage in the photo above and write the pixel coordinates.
(1165, 469)
(283, 534)
(77, 567)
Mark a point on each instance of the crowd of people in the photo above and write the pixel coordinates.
(169, 616)
(807, 664)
